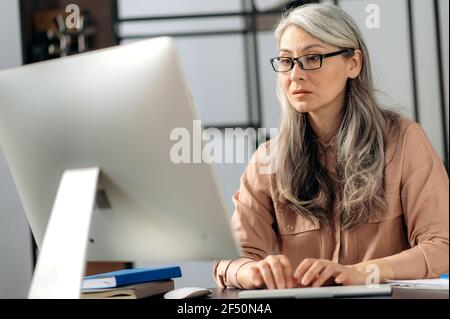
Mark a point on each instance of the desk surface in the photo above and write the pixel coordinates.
(397, 293)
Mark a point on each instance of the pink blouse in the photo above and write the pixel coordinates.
(412, 236)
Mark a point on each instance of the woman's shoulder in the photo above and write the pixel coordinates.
(408, 124)
(412, 133)
(412, 142)
(264, 158)
(398, 128)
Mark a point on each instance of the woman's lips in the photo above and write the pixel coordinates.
(301, 93)
(296, 92)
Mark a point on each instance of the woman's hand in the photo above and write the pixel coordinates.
(273, 272)
(316, 272)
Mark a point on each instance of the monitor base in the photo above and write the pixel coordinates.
(61, 262)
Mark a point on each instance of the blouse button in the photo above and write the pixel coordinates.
(290, 227)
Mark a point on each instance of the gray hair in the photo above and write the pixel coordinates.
(304, 184)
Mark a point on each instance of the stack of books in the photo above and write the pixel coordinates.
(130, 283)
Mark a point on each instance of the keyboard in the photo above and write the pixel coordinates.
(319, 292)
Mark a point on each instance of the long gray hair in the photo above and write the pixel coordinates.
(303, 182)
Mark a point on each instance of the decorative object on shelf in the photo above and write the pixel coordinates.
(55, 28)
(66, 41)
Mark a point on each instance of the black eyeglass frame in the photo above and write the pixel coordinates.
(300, 64)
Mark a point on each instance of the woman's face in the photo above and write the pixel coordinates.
(327, 84)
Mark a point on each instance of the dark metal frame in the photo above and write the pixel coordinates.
(413, 60)
(255, 114)
(115, 18)
(22, 31)
(440, 60)
(34, 248)
(251, 55)
(440, 73)
(300, 63)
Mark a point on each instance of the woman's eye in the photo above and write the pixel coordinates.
(285, 61)
(312, 58)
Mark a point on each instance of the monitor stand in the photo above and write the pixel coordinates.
(61, 263)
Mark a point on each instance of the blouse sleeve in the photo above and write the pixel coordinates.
(425, 202)
(252, 222)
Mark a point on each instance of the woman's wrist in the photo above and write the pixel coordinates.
(375, 271)
(244, 273)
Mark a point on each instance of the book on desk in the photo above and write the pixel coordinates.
(137, 291)
(130, 283)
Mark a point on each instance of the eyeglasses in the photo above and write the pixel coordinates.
(305, 62)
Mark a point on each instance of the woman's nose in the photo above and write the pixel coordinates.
(297, 73)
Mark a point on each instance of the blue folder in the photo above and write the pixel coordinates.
(130, 276)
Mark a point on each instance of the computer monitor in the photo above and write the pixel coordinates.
(111, 110)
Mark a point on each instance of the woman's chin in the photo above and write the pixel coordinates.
(302, 107)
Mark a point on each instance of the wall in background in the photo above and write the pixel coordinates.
(404, 56)
(15, 244)
(11, 54)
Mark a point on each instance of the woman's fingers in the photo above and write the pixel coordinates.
(341, 278)
(303, 268)
(266, 273)
(256, 277)
(277, 271)
(288, 273)
(274, 272)
(313, 271)
(327, 273)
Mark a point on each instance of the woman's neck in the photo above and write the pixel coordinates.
(326, 122)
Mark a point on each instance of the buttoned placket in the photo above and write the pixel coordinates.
(337, 238)
(330, 163)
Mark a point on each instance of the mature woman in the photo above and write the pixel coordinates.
(358, 191)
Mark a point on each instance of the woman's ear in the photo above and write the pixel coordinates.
(355, 64)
